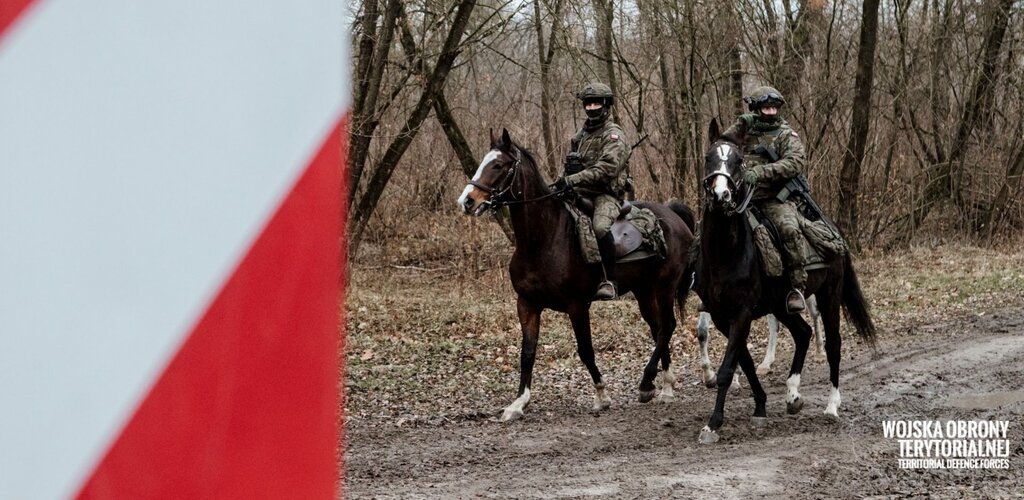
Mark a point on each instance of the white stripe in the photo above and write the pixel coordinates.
(723, 152)
(142, 146)
(721, 184)
(488, 158)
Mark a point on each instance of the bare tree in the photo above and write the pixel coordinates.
(945, 79)
(945, 180)
(853, 157)
(434, 83)
(370, 73)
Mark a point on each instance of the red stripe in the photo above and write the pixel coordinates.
(249, 406)
(10, 10)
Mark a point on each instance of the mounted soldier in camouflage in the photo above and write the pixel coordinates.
(597, 168)
(774, 155)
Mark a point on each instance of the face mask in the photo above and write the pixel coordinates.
(594, 114)
(768, 118)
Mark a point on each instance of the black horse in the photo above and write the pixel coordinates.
(735, 290)
(548, 270)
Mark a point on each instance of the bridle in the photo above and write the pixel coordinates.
(730, 206)
(507, 182)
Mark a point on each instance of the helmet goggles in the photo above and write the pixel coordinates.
(771, 99)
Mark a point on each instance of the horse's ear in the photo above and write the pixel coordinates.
(713, 131)
(494, 140)
(505, 139)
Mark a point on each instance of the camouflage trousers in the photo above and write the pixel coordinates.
(787, 221)
(606, 210)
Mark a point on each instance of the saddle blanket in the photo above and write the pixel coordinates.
(820, 244)
(640, 220)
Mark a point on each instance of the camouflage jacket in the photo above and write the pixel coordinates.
(605, 156)
(786, 144)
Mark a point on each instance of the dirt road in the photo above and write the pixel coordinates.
(967, 368)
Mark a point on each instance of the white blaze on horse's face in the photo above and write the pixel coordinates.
(473, 196)
(721, 186)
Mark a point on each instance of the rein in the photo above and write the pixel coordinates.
(496, 202)
(730, 207)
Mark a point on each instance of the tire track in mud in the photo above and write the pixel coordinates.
(967, 368)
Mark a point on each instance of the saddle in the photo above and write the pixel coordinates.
(769, 244)
(628, 237)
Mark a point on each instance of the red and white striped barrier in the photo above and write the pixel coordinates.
(170, 248)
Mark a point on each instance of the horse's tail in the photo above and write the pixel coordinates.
(686, 214)
(853, 302)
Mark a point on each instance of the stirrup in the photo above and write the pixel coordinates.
(605, 291)
(793, 307)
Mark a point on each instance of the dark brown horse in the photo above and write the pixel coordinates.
(548, 270)
(735, 290)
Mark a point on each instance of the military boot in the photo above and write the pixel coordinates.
(795, 302)
(606, 290)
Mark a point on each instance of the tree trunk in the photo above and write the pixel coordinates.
(736, 71)
(365, 118)
(692, 94)
(990, 222)
(676, 137)
(605, 13)
(364, 54)
(386, 167)
(944, 181)
(853, 157)
(546, 56)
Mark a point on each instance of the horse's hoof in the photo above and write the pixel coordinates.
(759, 422)
(511, 415)
(647, 396)
(601, 405)
(666, 398)
(710, 380)
(763, 370)
(832, 413)
(795, 407)
(707, 436)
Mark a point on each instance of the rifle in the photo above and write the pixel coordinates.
(641, 141)
(630, 193)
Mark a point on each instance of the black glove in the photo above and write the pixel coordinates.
(562, 188)
(573, 163)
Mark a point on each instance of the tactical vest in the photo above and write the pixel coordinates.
(751, 158)
(590, 144)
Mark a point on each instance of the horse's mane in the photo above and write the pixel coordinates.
(528, 155)
(525, 152)
(733, 138)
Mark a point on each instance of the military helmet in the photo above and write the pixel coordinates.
(597, 91)
(764, 96)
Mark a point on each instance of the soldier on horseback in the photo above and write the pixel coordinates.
(773, 155)
(597, 168)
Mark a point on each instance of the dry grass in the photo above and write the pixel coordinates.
(433, 334)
